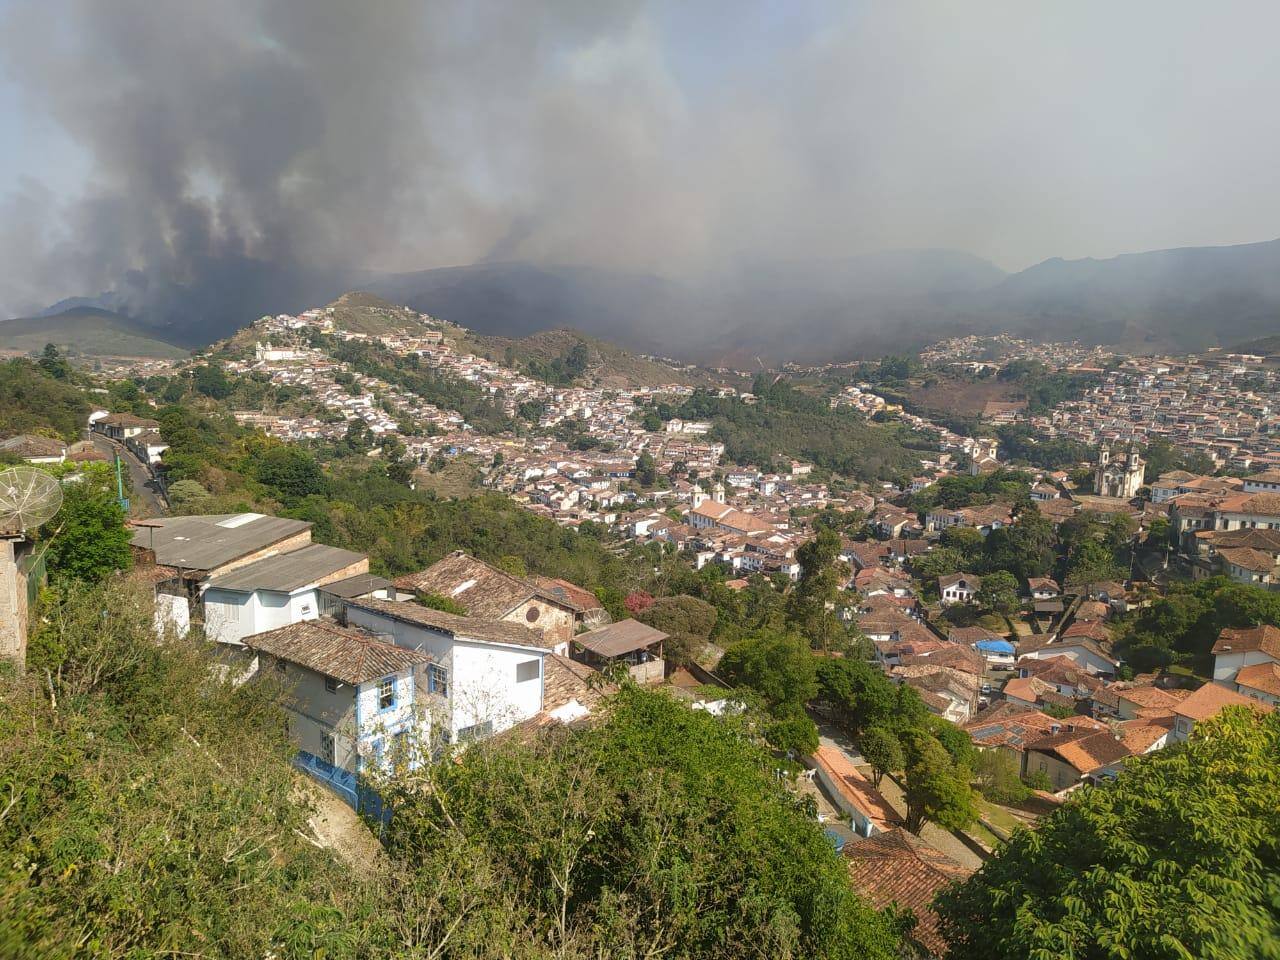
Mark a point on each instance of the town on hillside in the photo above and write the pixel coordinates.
(1023, 610)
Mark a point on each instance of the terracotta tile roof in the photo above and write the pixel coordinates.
(971, 635)
(854, 787)
(1209, 700)
(1247, 558)
(1265, 638)
(565, 680)
(1153, 698)
(1085, 750)
(896, 867)
(348, 654)
(485, 591)
(1139, 735)
(569, 594)
(1012, 725)
(1263, 677)
(464, 628)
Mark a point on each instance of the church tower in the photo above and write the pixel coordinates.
(1118, 478)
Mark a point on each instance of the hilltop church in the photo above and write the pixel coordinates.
(1118, 478)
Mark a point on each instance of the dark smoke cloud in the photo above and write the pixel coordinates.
(247, 151)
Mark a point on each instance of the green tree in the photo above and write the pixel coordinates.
(661, 831)
(1092, 562)
(810, 606)
(513, 565)
(54, 363)
(935, 788)
(998, 592)
(1174, 859)
(996, 772)
(864, 697)
(687, 621)
(186, 494)
(778, 666)
(290, 472)
(88, 538)
(646, 471)
(211, 380)
(883, 751)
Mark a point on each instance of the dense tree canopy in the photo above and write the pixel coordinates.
(1178, 858)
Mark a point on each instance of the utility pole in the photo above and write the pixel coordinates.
(124, 501)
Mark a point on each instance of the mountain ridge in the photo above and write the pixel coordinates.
(1176, 299)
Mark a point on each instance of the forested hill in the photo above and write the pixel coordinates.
(90, 332)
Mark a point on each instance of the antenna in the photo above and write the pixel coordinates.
(28, 497)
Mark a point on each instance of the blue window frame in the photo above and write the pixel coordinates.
(386, 693)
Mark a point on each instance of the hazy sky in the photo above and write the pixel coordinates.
(669, 136)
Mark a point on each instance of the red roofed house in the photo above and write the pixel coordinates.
(1205, 704)
(897, 868)
(1235, 649)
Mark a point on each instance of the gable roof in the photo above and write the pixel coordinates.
(1209, 700)
(348, 654)
(569, 594)
(1265, 638)
(1263, 677)
(896, 867)
(485, 591)
(565, 680)
(1085, 750)
(453, 625)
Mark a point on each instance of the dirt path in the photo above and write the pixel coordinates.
(339, 828)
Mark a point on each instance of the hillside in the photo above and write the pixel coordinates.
(546, 355)
(363, 312)
(88, 332)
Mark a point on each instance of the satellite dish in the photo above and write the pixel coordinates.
(28, 497)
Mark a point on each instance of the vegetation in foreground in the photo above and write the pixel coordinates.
(149, 810)
(1178, 858)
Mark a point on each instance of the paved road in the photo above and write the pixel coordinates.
(144, 500)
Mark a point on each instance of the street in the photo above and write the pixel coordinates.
(144, 500)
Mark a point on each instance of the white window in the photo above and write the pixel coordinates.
(527, 671)
(387, 693)
(438, 680)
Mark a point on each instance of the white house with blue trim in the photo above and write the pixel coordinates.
(484, 676)
(351, 697)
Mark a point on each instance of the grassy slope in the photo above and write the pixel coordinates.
(88, 332)
(610, 365)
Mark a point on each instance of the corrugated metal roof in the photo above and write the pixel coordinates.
(288, 571)
(206, 542)
(616, 639)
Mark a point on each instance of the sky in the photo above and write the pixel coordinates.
(164, 143)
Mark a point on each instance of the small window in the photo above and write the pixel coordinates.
(386, 693)
(532, 614)
(438, 680)
(331, 685)
(527, 671)
(326, 748)
(280, 665)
